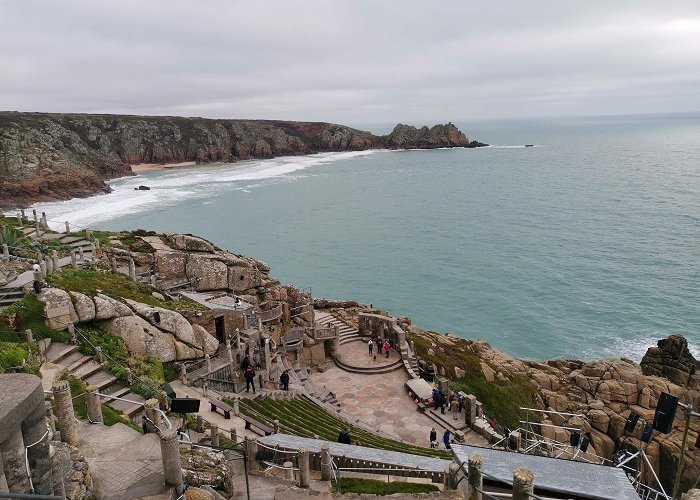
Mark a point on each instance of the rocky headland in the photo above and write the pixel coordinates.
(45, 157)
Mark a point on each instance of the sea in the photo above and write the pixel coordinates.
(585, 245)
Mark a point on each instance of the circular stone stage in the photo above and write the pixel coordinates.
(354, 357)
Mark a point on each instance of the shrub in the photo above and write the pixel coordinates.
(375, 487)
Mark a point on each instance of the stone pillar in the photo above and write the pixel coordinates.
(183, 374)
(286, 315)
(514, 441)
(132, 269)
(113, 263)
(207, 362)
(470, 409)
(234, 434)
(238, 339)
(229, 357)
(304, 473)
(44, 222)
(523, 484)
(67, 227)
(88, 234)
(325, 463)
(36, 220)
(289, 470)
(451, 476)
(49, 417)
(81, 254)
(152, 414)
(64, 411)
(12, 451)
(268, 359)
(335, 347)
(475, 479)
(73, 260)
(98, 354)
(251, 449)
(42, 266)
(172, 469)
(20, 216)
(5, 251)
(4, 488)
(214, 434)
(49, 265)
(275, 426)
(54, 260)
(94, 406)
(73, 339)
(479, 409)
(236, 407)
(28, 335)
(37, 440)
(443, 384)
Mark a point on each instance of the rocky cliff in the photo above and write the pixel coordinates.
(58, 156)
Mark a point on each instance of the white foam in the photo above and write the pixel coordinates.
(170, 186)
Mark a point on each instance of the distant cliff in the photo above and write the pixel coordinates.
(58, 156)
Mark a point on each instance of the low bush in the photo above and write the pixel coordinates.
(374, 487)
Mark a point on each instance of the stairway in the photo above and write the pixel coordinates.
(346, 333)
(9, 296)
(93, 373)
(370, 370)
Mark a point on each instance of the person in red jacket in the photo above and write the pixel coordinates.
(387, 348)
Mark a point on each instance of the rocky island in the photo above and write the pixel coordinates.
(47, 157)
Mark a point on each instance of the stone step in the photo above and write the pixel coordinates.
(85, 370)
(128, 408)
(369, 370)
(100, 379)
(116, 394)
(67, 239)
(58, 351)
(447, 420)
(72, 358)
(74, 365)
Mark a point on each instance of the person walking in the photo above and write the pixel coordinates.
(370, 346)
(446, 439)
(387, 348)
(460, 403)
(344, 436)
(433, 438)
(380, 344)
(249, 379)
(285, 380)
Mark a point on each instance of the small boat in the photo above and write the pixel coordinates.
(142, 188)
(529, 145)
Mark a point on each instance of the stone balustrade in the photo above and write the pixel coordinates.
(270, 315)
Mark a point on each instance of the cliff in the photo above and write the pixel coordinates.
(58, 156)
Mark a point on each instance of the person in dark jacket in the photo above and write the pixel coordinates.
(344, 436)
(433, 438)
(446, 439)
(284, 378)
(246, 362)
(249, 379)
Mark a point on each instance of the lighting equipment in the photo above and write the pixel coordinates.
(665, 411)
(631, 422)
(646, 432)
(184, 405)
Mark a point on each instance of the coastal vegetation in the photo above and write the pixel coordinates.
(110, 416)
(375, 487)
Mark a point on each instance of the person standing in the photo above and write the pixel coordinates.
(380, 344)
(249, 379)
(370, 346)
(285, 380)
(446, 439)
(387, 348)
(460, 403)
(344, 436)
(433, 438)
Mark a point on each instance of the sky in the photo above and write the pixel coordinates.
(351, 61)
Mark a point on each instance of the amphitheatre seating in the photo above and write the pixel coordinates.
(215, 403)
(251, 422)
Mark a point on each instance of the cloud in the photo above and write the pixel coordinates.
(356, 61)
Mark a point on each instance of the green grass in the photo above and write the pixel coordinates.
(374, 487)
(27, 313)
(109, 415)
(13, 355)
(115, 285)
(301, 417)
(501, 399)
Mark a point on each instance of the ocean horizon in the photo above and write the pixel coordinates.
(582, 246)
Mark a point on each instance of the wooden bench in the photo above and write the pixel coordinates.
(215, 403)
(251, 422)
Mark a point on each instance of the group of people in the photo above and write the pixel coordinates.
(446, 439)
(249, 372)
(381, 345)
(454, 403)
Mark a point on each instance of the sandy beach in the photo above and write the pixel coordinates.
(145, 167)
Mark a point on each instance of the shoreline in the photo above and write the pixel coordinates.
(147, 167)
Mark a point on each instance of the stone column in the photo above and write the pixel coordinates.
(73, 260)
(73, 339)
(325, 463)
(113, 262)
(401, 337)
(289, 470)
(36, 220)
(64, 411)
(94, 406)
(81, 254)
(132, 269)
(42, 266)
(214, 434)
(49, 265)
(207, 362)
(451, 476)
(236, 407)
(98, 354)
(54, 260)
(514, 441)
(12, 451)
(183, 374)
(234, 434)
(36, 437)
(28, 335)
(470, 409)
(443, 386)
(335, 347)
(275, 426)
(238, 339)
(44, 222)
(172, 469)
(152, 414)
(268, 359)
(5, 251)
(20, 216)
(251, 449)
(523, 484)
(67, 227)
(229, 357)
(475, 479)
(304, 473)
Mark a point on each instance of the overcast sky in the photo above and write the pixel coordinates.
(351, 61)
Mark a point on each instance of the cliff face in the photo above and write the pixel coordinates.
(58, 156)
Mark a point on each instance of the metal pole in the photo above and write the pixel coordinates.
(688, 410)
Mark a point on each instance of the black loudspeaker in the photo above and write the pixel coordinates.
(665, 411)
(631, 422)
(584, 444)
(574, 438)
(646, 432)
(184, 405)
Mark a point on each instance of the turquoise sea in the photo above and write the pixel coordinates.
(586, 245)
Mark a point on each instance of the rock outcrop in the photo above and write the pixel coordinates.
(672, 359)
(58, 156)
